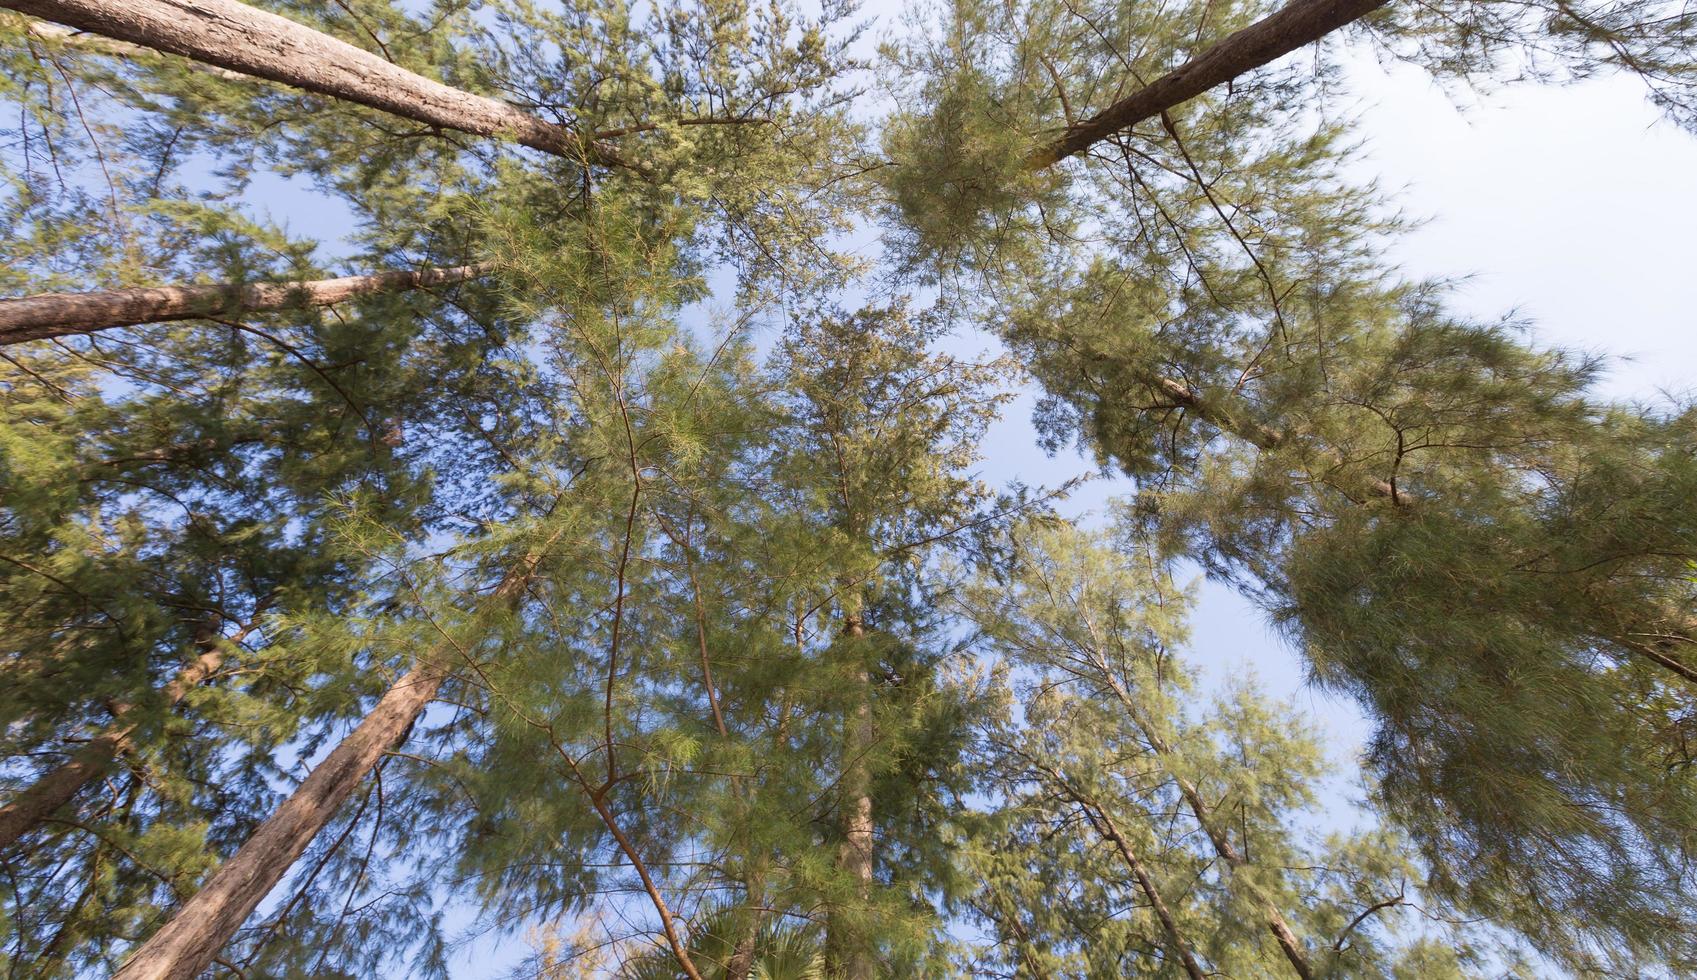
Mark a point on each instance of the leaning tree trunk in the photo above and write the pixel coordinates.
(848, 946)
(1297, 24)
(1105, 826)
(62, 314)
(255, 42)
(55, 788)
(1286, 937)
(202, 926)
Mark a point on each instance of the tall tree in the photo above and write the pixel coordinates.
(1200, 808)
(734, 708)
(1209, 316)
(884, 428)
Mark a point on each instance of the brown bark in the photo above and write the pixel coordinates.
(848, 947)
(1230, 419)
(1297, 24)
(741, 963)
(63, 314)
(1234, 859)
(188, 943)
(95, 44)
(255, 42)
(29, 809)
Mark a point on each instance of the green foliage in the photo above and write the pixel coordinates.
(1210, 799)
(788, 691)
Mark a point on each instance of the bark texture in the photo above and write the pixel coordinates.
(201, 927)
(1297, 24)
(55, 788)
(95, 44)
(64, 314)
(187, 944)
(255, 42)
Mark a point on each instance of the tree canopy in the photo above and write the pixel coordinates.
(578, 535)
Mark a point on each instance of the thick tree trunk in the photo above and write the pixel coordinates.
(195, 934)
(95, 44)
(1297, 24)
(57, 787)
(203, 925)
(848, 947)
(63, 314)
(255, 42)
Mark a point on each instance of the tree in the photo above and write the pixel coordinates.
(229, 34)
(1206, 311)
(883, 429)
(1193, 813)
(624, 623)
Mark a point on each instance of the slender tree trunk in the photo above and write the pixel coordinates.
(1105, 826)
(255, 42)
(203, 925)
(1297, 24)
(848, 946)
(1227, 851)
(62, 314)
(55, 788)
(741, 962)
(1289, 944)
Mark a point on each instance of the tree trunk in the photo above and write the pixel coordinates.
(1227, 851)
(63, 314)
(255, 42)
(1299, 23)
(95, 44)
(1276, 924)
(848, 946)
(1229, 418)
(54, 789)
(1221, 842)
(203, 925)
(1104, 825)
(741, 963)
